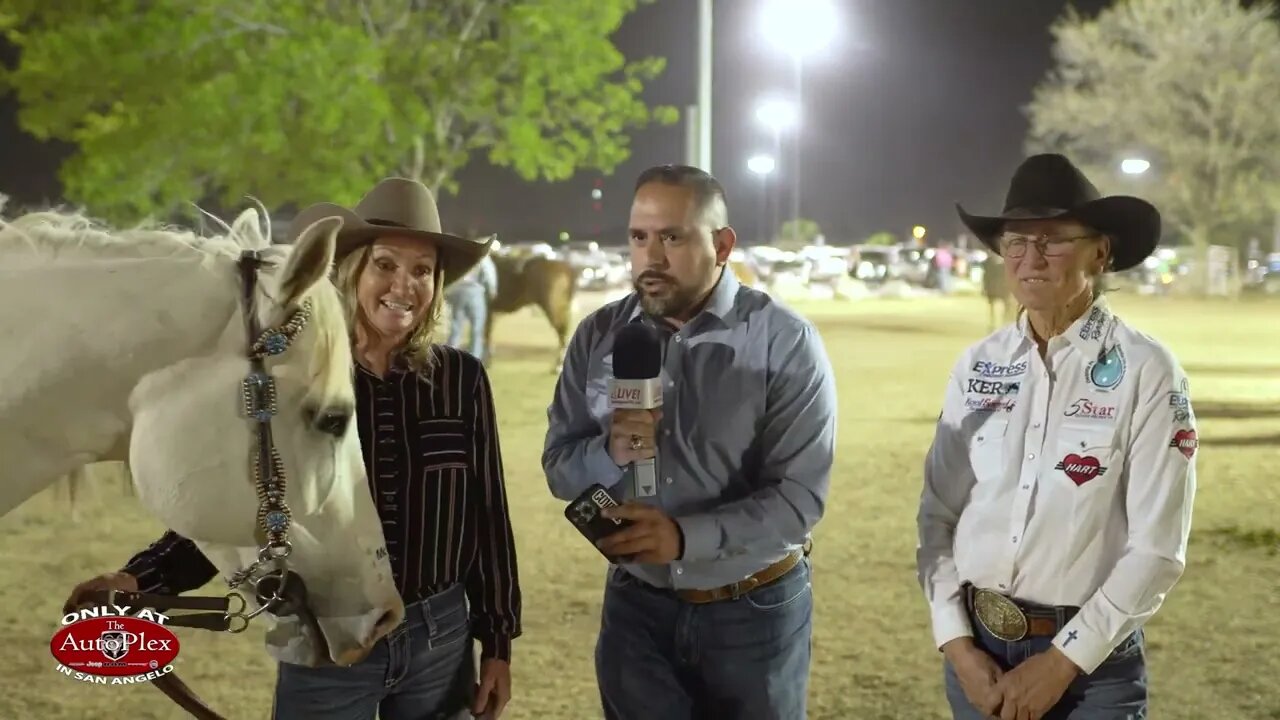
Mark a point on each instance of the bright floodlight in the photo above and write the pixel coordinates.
(1134, 166)
(761, 164)
(800, 27)
(778, 114)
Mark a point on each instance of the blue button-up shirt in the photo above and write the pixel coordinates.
(746, 441)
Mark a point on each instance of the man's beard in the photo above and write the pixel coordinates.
(673, 302)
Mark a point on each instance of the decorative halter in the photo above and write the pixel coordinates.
(258, 393)
(278, 590)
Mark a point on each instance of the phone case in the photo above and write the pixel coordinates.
(584, 513)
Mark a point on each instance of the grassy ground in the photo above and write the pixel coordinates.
(1212, 649)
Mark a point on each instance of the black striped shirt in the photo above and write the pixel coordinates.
(435, 470)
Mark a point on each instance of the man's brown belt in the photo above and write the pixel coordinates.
(742, 587)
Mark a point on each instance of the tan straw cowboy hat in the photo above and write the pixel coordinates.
(401, 207)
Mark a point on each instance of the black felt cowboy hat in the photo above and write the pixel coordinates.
(1048, 187)
(402, 207)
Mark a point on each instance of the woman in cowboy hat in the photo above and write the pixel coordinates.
(1058, 489)
(430, 440)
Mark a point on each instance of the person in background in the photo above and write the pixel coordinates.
(430, 439)
(943, 266)
(468, 301)
(1058, 489)
(712, 615)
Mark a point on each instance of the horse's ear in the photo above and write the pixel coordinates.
(310, 260)
(246, 230)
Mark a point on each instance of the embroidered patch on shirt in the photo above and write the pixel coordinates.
(1080, 468)
(1186, 442)
(988, 404)
(991, 387)
(1092, 328)
(1180, 401)
(995, 370)
(1107, 371)
(1086, 408)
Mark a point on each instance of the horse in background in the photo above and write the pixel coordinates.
(96, 475)
(995, 288)
(548, 283)
(551, 284)
(132, 346)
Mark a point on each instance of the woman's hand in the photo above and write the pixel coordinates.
(494, 690)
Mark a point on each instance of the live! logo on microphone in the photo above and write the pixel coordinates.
(643, 394)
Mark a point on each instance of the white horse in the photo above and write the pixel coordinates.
(131, 346)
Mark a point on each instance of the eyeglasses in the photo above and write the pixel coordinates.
(1014, 245)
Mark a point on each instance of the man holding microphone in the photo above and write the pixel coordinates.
(710, 613)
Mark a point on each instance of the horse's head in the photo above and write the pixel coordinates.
(208, 466)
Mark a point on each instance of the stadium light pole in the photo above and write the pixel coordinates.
(800, 28)
(703, 134)
(763, 166)
(777, 115)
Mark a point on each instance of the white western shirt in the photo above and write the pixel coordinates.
(1062, 481)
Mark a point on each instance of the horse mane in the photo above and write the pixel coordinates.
(48, 234)
(56, 231)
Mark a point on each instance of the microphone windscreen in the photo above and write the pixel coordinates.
(637, 352)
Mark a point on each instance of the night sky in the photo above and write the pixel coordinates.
(916, 105)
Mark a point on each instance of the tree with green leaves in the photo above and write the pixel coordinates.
(297, 101)
(1189, 85)
(881, 238)
(797, 234)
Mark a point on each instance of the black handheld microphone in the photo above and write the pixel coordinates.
(637, 385)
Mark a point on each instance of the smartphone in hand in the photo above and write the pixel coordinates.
(585, 514)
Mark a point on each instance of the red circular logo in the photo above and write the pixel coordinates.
(114, 646)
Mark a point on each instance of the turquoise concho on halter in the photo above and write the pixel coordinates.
(259, 390)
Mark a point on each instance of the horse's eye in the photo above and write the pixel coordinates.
(329, 421)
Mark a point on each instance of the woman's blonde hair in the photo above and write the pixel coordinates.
(416, 350)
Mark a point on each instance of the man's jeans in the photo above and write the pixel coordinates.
(467, 307)
(745, 659)
(422, 670)
(1117, 689)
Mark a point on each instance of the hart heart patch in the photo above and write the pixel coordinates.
(1186, 442)
(1081, 468)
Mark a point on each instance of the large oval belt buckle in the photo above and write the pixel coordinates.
(1000, 615)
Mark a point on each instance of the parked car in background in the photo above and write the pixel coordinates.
(875, 264)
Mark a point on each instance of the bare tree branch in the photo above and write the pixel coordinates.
(251, 25)
(419, 158)
(366, 18)
(469, 26)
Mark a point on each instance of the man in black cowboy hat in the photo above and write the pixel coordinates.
(1058, 489)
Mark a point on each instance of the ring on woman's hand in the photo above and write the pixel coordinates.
(636, 443)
